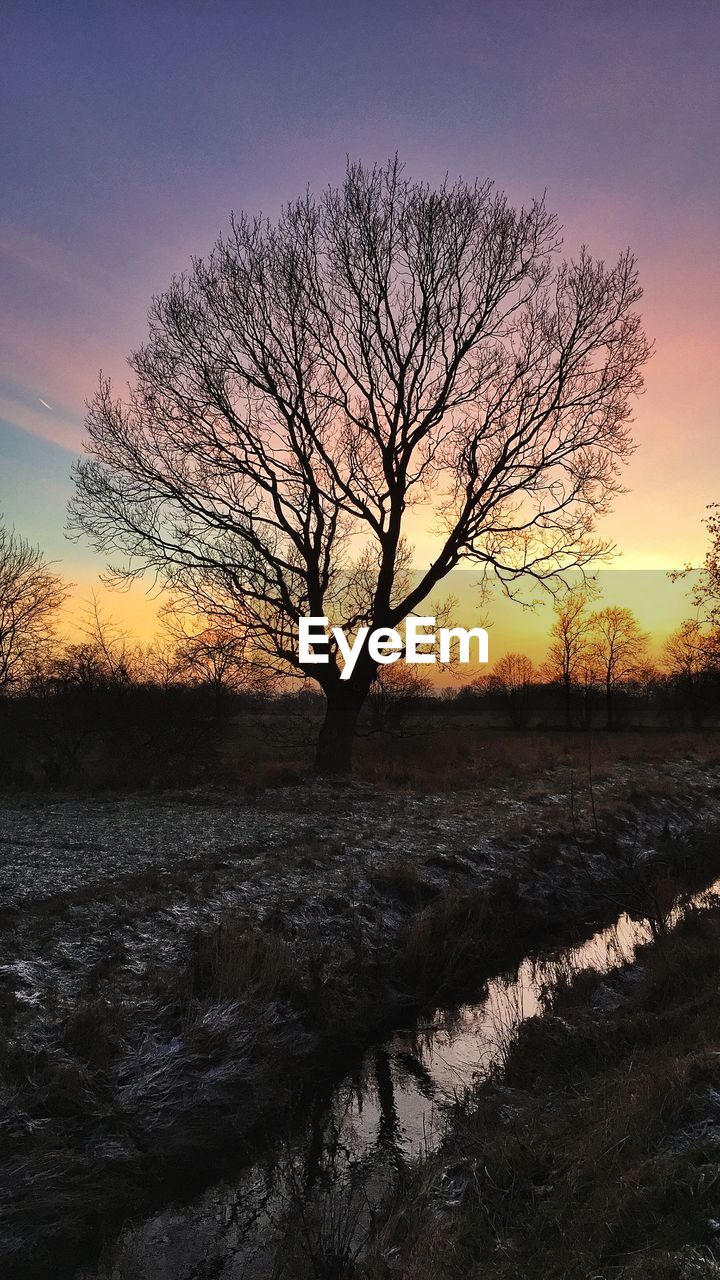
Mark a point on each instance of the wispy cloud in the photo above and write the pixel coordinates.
(63, 429)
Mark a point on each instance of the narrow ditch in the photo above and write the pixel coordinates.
(307, 1208)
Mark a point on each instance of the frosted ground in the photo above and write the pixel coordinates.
(130, 1034)
(135, 873)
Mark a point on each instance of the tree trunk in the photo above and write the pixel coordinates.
(333, 753)
(568, 703)
(609, 705)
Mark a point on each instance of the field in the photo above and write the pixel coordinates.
(178, 966)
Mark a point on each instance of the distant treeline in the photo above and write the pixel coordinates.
(197, 702)
(104, 716)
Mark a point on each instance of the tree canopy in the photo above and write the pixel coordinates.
(380, 346)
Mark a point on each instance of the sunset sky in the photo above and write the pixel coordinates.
(129, 132)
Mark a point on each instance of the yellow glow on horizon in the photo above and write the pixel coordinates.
(133, 611)
(644, 587)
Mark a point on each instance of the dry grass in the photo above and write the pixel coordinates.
(456, 755)
(235, 958)
(438, 748)
(446, 947)
(403, 879)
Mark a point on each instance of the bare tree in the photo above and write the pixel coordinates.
(161, 664)
(394, 689)
(382, 346)
(31, 595)
(685, 652)
(706, 586)
(708, 590)
(213, 652)
(618, 651)
(105, 657)
(513, 673)
(691, 655)
(512, 677)
(567, 657)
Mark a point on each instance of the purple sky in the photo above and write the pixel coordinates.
(129, 131)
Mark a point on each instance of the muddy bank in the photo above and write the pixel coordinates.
(163, 1012)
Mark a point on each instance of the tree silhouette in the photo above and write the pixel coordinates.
(212, 653)
(513, 673)
(618, 650)
(685, 652)
(512, 676)
(568, 654)
(706, 587)
(691, 657)
(383, 346)
(30, 597)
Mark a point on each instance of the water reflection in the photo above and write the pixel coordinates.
(307, 1209)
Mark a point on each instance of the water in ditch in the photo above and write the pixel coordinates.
(306, 1210)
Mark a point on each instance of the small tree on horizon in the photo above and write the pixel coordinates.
(512, 676)
(569, 653)
(384, 346)
(102, 659)
(685, 652)
(213, 653)
(513, 673)
(31, 596)
(617, 651)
